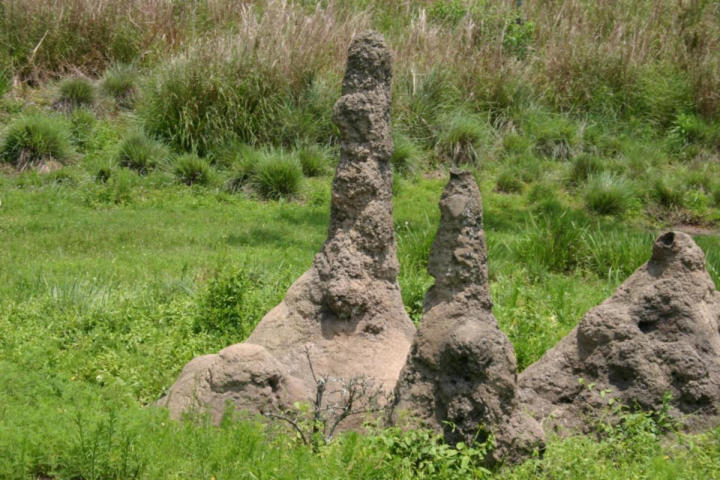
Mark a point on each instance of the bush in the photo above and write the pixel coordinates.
(120, 82)
(277, 175)
(609, 194)
(75, 92)
(406, 157)
(141, 153)
(34, 139)
(312, 160)
(192, 170)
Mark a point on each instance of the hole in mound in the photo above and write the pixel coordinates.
(668, 239)
(647, 326)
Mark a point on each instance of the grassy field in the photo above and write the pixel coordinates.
(190, 152)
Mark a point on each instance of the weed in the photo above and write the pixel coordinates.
(192, 170)
(141, 153)
(31, 140)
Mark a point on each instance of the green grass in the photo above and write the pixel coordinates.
(33, 139)
(141, 153)
(75, 92)
(277, 175)
(121, 83)
(192, 170)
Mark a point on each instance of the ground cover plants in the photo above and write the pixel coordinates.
(164, 213)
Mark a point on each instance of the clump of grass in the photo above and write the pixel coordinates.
(554, 135)
(609, 194)
(140, 153)
(668, 193)
(462, 136)
(509, 181)
(312, 160)
(120, 82)
(82, 122)
(190, 169)
(244, 162)
(74, 93)
(585, 166)
(406, 156)
(277, 175)
(32, 140)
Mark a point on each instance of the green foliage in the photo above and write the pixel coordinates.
(203, 99)
(245, 161)
(518, 38)
(609, 194)
(33, 139)
(231, 305)
(141, 153)
(448, 12)
(668, 193)
(424, 454)
(406, 156)
(554, 135)
(462, 137)
(277, 175)
(509, 181)
(584, 167)
(75, 92)
(662, 94)
(82, 122)
(313, 160)
(192, 170)
(121, 83)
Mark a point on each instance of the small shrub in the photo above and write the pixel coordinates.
(277, 175)
(406, 156)
(141, 153)
(74, 93)
(447, 12)
(509, 181)
(312, 160)
(192, 170)
(32, 140)
(608, 194)
(120, 82)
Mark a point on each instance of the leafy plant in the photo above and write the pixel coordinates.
(192, 170)
(34, 139)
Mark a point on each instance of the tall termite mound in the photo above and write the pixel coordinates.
(460, 377)
(346, 312)
(657, 335)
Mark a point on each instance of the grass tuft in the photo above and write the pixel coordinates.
(192, 170)
(74, 93)
(609, 194)
(34, 139)
(121, 83)
(313, 160)
(141, 153)
(277, 175)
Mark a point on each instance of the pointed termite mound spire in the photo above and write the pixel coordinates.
(345, 313)
(657, 335)
(460, 377)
